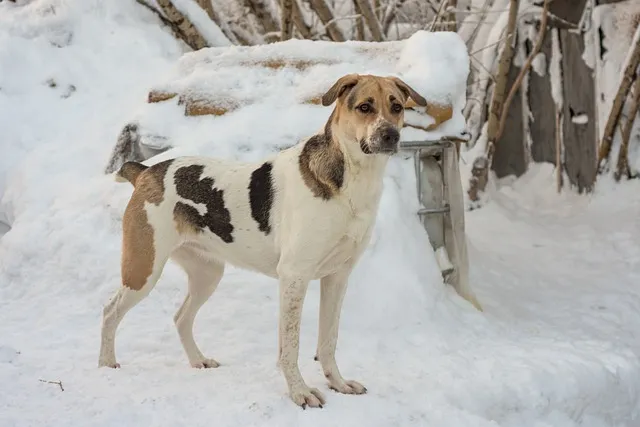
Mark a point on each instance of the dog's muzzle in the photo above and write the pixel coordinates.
(385, 140)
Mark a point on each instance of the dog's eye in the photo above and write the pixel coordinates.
(396, 108)
(365, 108)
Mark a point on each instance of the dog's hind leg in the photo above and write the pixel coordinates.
(204, 275)
(143, 258)
(332, 290)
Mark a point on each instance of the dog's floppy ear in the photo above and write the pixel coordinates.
(341, 86)
(409, 92)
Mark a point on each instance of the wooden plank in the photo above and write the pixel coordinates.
(509, 157)
(542, 125)
(580, 143)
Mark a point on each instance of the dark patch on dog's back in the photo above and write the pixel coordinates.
(201, 191)
(321, 165)
(261, 196)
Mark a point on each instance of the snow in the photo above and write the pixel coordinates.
(205, 26)
(580, 119)
(555, 70)
(556, 346)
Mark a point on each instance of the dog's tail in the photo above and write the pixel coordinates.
(130, 171)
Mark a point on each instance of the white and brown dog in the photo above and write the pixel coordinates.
(304, 214)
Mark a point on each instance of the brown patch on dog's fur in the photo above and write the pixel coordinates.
(159, 96)
(321, 164)
(138, 252)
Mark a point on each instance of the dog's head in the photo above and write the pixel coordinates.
(370, 111)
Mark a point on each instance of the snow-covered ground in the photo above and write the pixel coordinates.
(558, 276)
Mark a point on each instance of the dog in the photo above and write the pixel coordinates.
(305, 213)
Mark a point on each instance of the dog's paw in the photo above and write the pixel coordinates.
(348, 387)
(206, 363)
(306, 396)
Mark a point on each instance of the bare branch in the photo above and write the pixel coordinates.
(482, 164)
(360, 34)
(187, 31)
(262, 12)
(58, 383)
(207, 5)
(525, 67)
(371, 19)
(286, 21)
(324, 12)
(300, 23)
(622, 167)
(633, 59)
(390, 14)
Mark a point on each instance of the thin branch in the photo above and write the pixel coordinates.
(286, 19)
(300, 23)
(371, 19)
(623, 160)
(435, 19)
(525, 68)
(327, 17)
(631, 63)
(58, 383)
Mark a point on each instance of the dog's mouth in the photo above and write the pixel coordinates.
(367, 149)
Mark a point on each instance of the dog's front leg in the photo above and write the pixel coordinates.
(333, 288)
(292, 292)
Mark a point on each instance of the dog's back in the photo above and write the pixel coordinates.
(223, 210)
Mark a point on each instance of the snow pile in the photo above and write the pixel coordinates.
(246, 91)
(557, 345)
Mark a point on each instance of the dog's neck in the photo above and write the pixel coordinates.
(332, 164)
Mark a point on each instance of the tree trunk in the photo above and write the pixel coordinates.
(390, 15)
(360, 35)
(371, 19)
(299, 22)
(262, 12)
(187, 31)
(633, 59)
(482, 164)
(324, 12)
(286, 21)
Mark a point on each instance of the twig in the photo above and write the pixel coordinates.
(525, 68)
(622, 167)
(58, 383)
(558, 149)
(435, 19)
(631, 63)
(159, 14)
(484, 68)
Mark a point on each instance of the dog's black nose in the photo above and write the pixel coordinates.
(390, 137)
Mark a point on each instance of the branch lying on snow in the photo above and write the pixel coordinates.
(58, 383)
(622, 167)
(633, 59)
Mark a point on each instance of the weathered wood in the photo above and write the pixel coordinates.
(542, 120)
(568, 10)
(580, 141)
(286, 19)
(509, 156)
